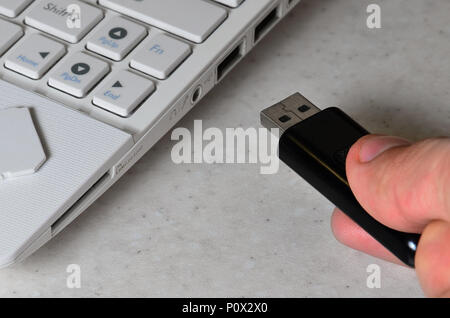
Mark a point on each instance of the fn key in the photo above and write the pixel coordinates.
(160, 56)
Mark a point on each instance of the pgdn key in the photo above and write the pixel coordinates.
(78, 74)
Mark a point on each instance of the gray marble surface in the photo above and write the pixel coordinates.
(226, 230)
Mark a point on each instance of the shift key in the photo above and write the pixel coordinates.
(66, 19)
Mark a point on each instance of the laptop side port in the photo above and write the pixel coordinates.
(76, 209)
(230, 60)
(266, 23)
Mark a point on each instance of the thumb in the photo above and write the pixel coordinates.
(433, 259)
(402, 185)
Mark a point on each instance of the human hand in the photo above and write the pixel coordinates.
(406, 187)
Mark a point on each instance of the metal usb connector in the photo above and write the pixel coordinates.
(288, 112)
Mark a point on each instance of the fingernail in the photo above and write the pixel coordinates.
(375, 146)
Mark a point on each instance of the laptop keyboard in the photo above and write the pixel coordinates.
(65, 22)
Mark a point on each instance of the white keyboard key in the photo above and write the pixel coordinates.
(194, 20)
(69, 20)
(160, 56)
(12, 8)
(116, 39)
(10, 34)
(231, 3)
(78, 74)
(34, 56)
(123, 93)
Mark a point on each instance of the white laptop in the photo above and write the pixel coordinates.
(87, 87)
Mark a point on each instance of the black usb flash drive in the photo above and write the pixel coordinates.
(314, 143)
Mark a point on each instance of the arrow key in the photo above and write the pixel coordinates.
(123, 93)
(34, 56)
(116, 39)
(78, 74)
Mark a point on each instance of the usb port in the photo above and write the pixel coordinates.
(229, 61)
(265, 24)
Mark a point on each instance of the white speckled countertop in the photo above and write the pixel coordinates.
(226, 230)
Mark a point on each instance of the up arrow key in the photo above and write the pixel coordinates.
(44, 54)
(117, 84)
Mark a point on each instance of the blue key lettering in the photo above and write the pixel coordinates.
(68, 77)
(111, 95)
(27, 60)
(108, 42)
(157, 49)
